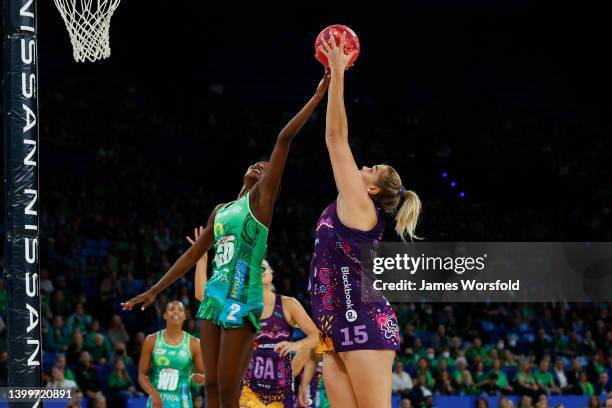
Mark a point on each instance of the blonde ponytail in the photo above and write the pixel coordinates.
(408, 215)
(390, 197)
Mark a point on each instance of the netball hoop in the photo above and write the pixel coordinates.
(88, 24)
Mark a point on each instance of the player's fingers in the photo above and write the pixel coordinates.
(191, 241)
(323, 47)
(342, 41)
(331, 41)
(146, 303)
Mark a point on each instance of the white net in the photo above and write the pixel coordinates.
(88, 23)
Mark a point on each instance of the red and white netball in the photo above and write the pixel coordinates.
(352, 42)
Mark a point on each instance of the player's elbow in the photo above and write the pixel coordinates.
(335, 135)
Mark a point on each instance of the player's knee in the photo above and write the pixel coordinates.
(211, 386)
(228, 394)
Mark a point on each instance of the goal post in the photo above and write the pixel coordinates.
(21, 267)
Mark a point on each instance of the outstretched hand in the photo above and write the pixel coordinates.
(197, 233)
(146, 298)
(338, 60)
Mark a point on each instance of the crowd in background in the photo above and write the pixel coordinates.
(120, 193)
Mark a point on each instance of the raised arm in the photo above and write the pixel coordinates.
(355, 208)
(144, 366)
(265, 192)
(201, 266)
(180, 267)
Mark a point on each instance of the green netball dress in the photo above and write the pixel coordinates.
(234, 293)
(172, 368)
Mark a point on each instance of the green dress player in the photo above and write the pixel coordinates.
(172, 368)
(233, 301)
(234, 293)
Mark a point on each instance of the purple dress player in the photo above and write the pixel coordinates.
(268, 381)
(345, 321)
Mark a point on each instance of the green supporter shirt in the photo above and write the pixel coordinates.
(526, 378)
(502, 379)
(69, 375)
(587, 389)
(544, 378)
(119, 383)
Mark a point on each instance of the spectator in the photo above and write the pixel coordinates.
(94, 330)
(46, 286)
(595, 366)
(60, 305)
(405, 403)
(541, 345)
(476, 351)
(444, 384)
(77, 399)
(99, 401)
(121, 354)
(479, 375)
(77, 345)
(502, 378)
(121, 385)
(586, 387)
(58, 381)
(423, 369)
(542, 402)
(440, 340)
(463, 378)
(58, 338)
(421, 392)
(504, 402)
(560, 378)
(560, 343)
(408, 337)
(78, 319)
(482, 403)
(545, 379)
(60, 361)
(100, 350)
(573, 376)
(525, 382)
(401, 381)
(87, 378)
(603, 386)
(526, 402)
(136, 345)
(490, 387)
(117, 333)
(594, 402)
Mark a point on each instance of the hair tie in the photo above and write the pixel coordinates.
(402, 190)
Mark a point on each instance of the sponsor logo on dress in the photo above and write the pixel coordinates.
(351, 314)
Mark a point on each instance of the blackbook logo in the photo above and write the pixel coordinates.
(351, 314)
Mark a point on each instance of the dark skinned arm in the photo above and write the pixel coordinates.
(180, 267)
(266, 190)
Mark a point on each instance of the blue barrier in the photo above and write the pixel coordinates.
(470, 401)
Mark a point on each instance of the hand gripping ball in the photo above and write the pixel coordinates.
(352, 42)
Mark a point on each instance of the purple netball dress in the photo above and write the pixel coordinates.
(268, 381)
(345, 321)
